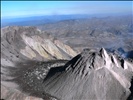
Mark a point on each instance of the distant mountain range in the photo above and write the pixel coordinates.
(114, 32)
(38, 20)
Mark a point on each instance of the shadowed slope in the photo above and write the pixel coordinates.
(28, 78)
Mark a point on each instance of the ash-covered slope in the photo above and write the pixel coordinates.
(91, 75)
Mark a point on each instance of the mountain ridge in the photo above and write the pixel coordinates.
(79, 78)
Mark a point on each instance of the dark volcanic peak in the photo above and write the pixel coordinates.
(91, 75)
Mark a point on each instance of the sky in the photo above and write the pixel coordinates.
(37, 8)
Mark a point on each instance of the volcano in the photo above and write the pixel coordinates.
(36, 66)
(91, 75)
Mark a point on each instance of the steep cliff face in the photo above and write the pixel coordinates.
(91, 75)
(20, 45)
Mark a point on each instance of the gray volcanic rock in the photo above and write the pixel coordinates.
(91, 75)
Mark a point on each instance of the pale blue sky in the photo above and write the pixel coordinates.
(37, 8)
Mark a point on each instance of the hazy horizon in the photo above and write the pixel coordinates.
(16, 9)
